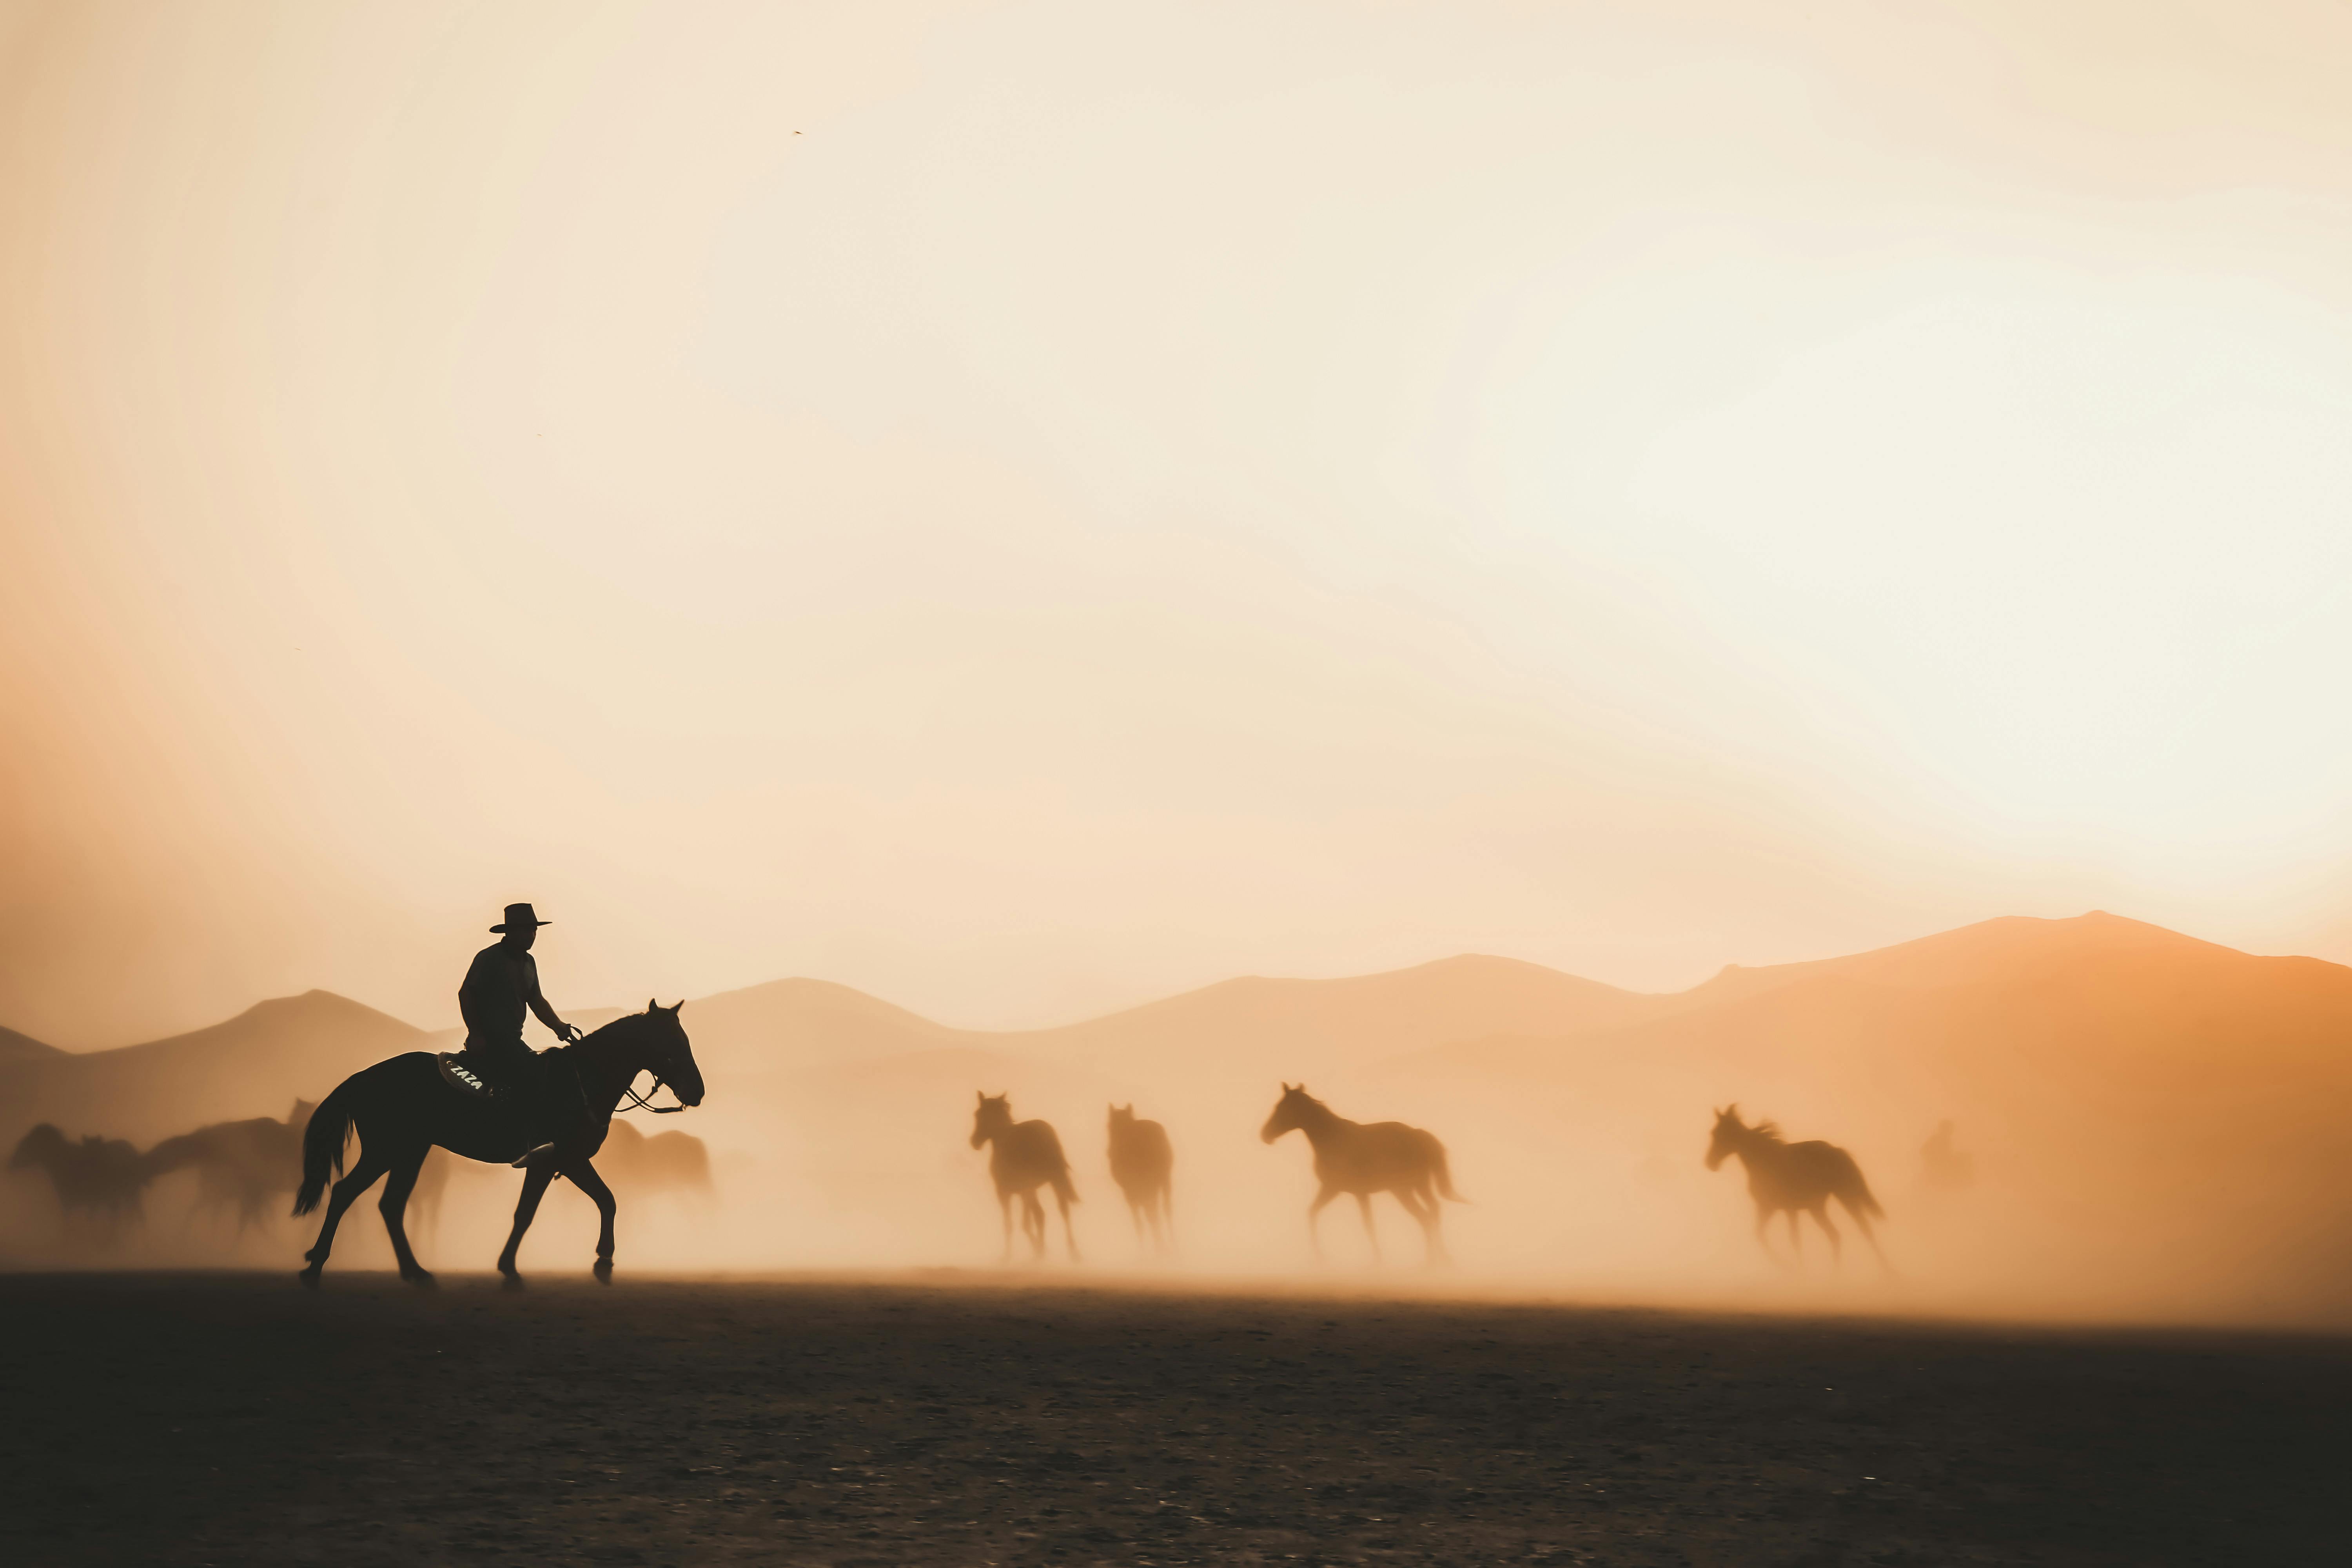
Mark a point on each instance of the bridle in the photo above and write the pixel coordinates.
(632, 1101)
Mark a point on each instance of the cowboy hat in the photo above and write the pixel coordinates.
(520, 915)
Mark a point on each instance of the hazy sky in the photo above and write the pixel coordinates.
(1025, 508)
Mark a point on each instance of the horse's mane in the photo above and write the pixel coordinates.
(1767, 1131)
(595, 1034)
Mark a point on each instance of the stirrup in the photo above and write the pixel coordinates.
(524, 1162)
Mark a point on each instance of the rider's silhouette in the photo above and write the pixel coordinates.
(501, 983)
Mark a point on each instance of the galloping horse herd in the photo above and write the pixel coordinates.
(402, 1110)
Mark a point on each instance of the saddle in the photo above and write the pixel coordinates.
(464, 1080)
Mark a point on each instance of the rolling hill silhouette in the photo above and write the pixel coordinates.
(14, 1046)
(252, 1065)
(2148, 1111)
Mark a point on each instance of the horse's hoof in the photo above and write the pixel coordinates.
(510, 1282)
(603, 1271)
(310, 1278)
(422, 1279)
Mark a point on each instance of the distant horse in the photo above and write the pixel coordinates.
(100, 1177)
(665, 1162)
(249, 1164)
(1140, 1162)
(1026, 1156)
(1944, 1167)
(1797, 1178)
(1364, 1159)
(402, 1108)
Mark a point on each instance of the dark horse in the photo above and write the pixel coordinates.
(1363, 1159)
(1141, 1162)
(101, 1177)
(1026, 1156)
(402, 1108)
(1800, 1178)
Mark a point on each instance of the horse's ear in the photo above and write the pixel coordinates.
(677, 1006)
(980, 1096)
(653, 1004)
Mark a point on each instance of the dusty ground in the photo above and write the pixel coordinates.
(235, 1419)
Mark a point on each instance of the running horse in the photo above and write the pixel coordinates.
(1142, 1164)
(1025, 1156)
(402, 1108)
(1796, 1179)
(1364, 1159)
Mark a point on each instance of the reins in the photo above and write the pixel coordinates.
(645, 1101)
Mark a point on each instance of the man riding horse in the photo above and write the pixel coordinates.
(503, 981)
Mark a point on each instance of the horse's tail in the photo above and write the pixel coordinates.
(1854, 1192)
(1444, 1172)
(322, 1145)
(1062, 1187)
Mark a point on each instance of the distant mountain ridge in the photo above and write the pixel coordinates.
(14, 1046)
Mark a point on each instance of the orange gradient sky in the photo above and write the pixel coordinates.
(1025, 508)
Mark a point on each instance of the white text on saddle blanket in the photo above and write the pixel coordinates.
(458, 1077)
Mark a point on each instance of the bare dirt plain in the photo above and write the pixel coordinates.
(235, 1419)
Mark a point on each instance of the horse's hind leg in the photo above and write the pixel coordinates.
(345, 1193)
(393, 1205)
(534, 1187)
(1868, 1235)
(583, 1176)
(1423, 1206)
(1069, 1236)
(1033, 1223)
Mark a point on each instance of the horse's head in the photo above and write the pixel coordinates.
(1729, 1134)
(38, 1147)
(301, 1115)
(671, 1054)
(1290, 1111)
(991, 1116)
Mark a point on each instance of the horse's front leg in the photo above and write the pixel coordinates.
(534, 1187)
(1005, 1206)
(1372, 1233)
(1314, 1212)
(583, 1176)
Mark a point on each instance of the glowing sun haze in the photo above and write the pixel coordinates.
(1021, 508)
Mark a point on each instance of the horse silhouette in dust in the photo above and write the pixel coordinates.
(245, 1165)
(1364, 1159)
(664, 1162)
(1141, 1162)
(402, 1108)
(1025, 1156)
(1796, 1179)
(99, 1178)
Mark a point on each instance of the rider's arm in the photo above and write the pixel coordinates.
(537, 1001)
